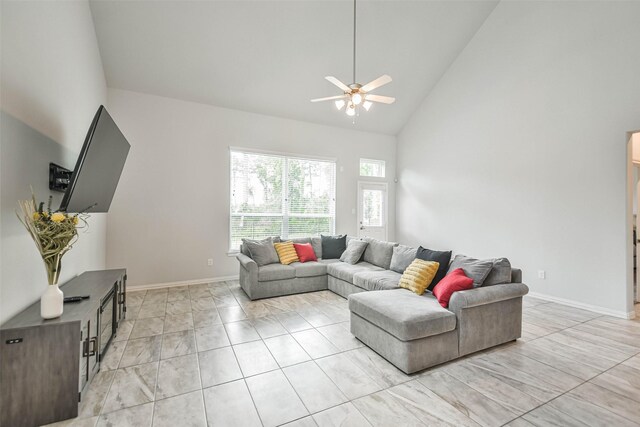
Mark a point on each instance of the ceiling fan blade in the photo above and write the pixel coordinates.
(328, 98)
(338, 83)
(380, 98)
(380, 81)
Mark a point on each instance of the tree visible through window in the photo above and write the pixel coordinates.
(273, 195)
(370, 167)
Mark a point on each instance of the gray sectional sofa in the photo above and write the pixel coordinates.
(411, 331)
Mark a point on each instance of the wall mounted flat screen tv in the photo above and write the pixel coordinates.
(99, 166)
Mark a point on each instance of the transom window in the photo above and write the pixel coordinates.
(375, 168)
(280, 195)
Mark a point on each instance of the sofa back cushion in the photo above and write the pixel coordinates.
(477, 269)
(419, 275)
(402, 257)
(441, 257)
(316, 242)
(333, 246)
(378, 252)
(355, 249)
(500, 273)
(262, 251)
(286, 252)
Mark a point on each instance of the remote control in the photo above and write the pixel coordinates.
(76, 298)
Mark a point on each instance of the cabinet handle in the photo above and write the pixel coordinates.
(94, 345)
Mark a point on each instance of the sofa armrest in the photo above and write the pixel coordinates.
(487, 295)
(247, 263)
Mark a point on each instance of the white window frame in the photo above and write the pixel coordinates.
(381, 162)
(285, 185)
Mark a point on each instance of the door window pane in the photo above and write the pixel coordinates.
(372, 208)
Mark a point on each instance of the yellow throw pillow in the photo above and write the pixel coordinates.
(286, 252)
(419, 275)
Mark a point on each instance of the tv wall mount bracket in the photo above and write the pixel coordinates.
(59, 178)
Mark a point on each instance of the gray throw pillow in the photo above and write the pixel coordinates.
(500, 273)
(355, 249)
(378, 252)
(316, 243)
(476, 269)
(333, 246)
(402, 256)
(262, 251)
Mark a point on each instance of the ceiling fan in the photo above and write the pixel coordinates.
(355, 94)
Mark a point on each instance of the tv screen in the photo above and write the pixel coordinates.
(99, 166)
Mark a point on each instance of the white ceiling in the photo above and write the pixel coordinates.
(270, 57)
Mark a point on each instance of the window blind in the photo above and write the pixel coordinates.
(275, 195)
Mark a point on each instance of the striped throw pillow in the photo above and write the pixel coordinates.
(286, 252)
(419, 275)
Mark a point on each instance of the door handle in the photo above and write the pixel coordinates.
(94, 344)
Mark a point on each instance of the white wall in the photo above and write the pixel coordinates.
(51, 86)
(520, 150)
(171, 211)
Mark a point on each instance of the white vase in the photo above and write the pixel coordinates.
(51, 302)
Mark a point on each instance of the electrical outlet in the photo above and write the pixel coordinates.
(542, 274)
(210, 262)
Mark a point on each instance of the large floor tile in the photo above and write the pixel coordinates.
(293, 322)
(186, 410)
(230, 404)
(178, 344)
(206, 318)
(147, 327)
(132, 386)
(241, 332)
(275, 399)
(383, 372)
(94, 396)
(313, 386)
(141, 350)
(316, 317)
(254, 358)
(137, 416)
(382, 409)
(611, 401)
(201, 304)
(124, 330)
(152, 310)
(268, 326)
(111, 360)
(353, 381)
(178, 322)
(589, 413)
(340, 336)
(218, 366)
(178, 375)
(231, 314)
(211, 337)
(178, 306)
(621, 379)
(480, 408)
(345, 415)
(547, 415)
(286, 350)
(314, 343)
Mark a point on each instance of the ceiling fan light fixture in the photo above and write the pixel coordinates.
(340, 103)
(351, 110)
(367, 105)
(356, 98)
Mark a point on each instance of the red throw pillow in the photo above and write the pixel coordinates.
(305, 252)
(452, 282)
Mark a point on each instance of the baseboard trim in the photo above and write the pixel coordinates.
(179, 283)
(583, 306)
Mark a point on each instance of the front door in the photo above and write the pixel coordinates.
(372, 210)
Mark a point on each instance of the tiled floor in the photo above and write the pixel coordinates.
(205, 354)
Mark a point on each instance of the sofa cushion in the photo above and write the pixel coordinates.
(316, 242)
(262, 251)
(267, 273)
(402, 313)
(376, 280)
(402, 257)
(286, 252)
(309, 269)
(500, 273)
(329, 261)
(333, 246)
(344, 271)
(305, 252)
(477, 269)
(355, 249)
(454, 281)
(441, 257)
(378, 252)
(419, 275)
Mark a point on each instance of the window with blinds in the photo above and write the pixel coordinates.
(279, 195)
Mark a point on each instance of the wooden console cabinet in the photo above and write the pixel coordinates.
(46, 365)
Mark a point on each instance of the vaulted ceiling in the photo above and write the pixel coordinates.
(270, 57)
